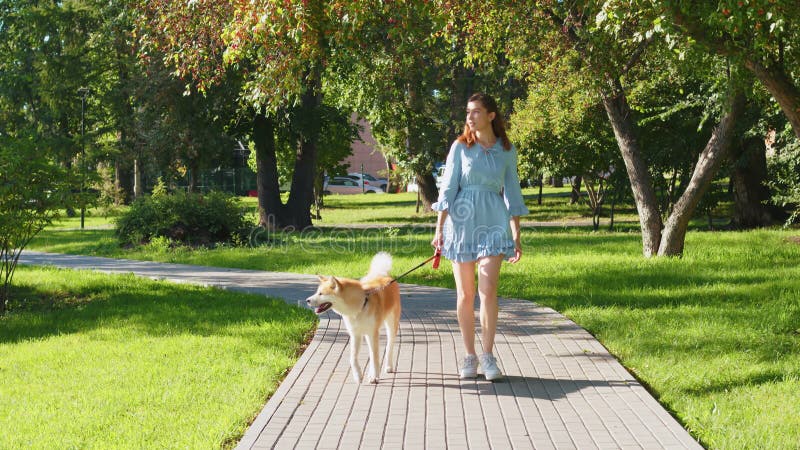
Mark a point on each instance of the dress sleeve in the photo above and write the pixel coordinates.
(452, 177)
(511, 189)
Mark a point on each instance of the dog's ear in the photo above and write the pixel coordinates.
(334, 283)
(322, 279)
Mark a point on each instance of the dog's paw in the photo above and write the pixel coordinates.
(373, 380)
(357, 378)
(389, 369)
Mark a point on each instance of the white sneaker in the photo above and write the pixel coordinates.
(470, 367)
(489, 366)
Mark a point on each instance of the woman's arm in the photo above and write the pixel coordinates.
(511, 190)
(447, 193)
(452, 178)
(514, 223)
(438, 238)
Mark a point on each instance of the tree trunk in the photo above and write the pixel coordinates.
(782, 89)
(674, 235)
(611, 212)
(270, 208)
(319, 199)
(541, 187)
(669, 199)
(123, 181)
(427, 190)
(422, 172)
(138, 189)
(620, 116)
(576, 190)
(462, 86)
(748, 177)
(117, 183)
(301, 197)
(194, 172)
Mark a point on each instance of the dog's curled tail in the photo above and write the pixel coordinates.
(380, 267)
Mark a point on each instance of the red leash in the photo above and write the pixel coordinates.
(437, 255)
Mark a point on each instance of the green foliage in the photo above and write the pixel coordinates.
(32, 190)
(784, 170)
(561, 127)
(753, 29)
(400, 79)
(160, 189)
(194, 219)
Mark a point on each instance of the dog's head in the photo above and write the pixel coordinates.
(328, 293)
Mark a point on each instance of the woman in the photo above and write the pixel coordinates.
(478, 225)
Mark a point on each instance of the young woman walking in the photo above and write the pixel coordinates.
(478, 225)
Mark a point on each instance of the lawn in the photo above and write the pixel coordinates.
(715, 334)
(401, 208)
(99, 361)
(396, 209)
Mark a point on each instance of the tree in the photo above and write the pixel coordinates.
(398, 76)
(785, 170)
(749, 174)
(609, 51)
(337, 132)
(180, 134)
(281, 49)
(561, 128)
(46, 55)
(32, 190)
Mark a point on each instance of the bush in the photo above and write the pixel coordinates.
(193, 219)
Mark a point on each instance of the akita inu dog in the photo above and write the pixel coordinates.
(364, 305)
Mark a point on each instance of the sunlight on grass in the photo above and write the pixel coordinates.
(115, 361)
(401, 208)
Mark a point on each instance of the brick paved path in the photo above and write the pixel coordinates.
(563, 389)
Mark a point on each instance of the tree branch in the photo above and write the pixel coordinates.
(636, 55)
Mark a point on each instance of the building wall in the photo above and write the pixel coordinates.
(366, 153)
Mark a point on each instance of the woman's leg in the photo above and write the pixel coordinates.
(464, 274)
(488, 276)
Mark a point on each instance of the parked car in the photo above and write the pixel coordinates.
(369, 180)
(347, 185)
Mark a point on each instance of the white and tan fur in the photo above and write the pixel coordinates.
(363, 320)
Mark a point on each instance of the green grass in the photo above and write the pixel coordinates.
(715, 334)
(98, 361)
(400, 208)
(93, 218)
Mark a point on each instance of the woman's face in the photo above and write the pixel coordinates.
(478, 118)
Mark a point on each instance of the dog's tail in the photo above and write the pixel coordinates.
(380, 267)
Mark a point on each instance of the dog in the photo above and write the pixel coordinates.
(364, 305)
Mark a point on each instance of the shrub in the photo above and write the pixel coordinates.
(193, 219)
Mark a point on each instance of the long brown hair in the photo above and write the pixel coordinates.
(498, 124)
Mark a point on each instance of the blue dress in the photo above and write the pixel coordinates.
(480, 193)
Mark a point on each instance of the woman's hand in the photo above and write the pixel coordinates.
(437, 241)
(517, 253)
